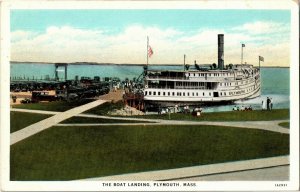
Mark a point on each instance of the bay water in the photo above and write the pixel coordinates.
(275, 82)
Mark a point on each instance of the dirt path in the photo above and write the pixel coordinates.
(113, 96)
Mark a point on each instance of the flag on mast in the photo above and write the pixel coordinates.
(261, 58)
(150, 51)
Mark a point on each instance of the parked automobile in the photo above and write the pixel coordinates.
(38, 96)
(26, 100)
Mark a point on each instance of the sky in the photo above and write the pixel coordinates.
(120, 36)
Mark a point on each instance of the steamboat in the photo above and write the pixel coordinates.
(202, 84)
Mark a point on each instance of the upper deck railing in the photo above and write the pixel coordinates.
(202, 76)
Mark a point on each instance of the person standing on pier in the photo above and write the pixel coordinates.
(268, 103)
(271, 103)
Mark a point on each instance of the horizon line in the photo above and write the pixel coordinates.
(97, 63)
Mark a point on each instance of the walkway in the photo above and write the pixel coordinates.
(213, 170)
(34, 111)
(280, 173)
(51, 121)
(263, 125)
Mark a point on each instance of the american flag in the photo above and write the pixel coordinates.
(150, 51)
(261, 58)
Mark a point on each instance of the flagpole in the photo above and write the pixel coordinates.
(147, 49)
(259, 62)
(242, 55)
(184, 62)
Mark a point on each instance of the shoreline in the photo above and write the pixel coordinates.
(121, 64)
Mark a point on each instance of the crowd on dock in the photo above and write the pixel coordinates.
(195, 111)
(242, 108)
(265, 105)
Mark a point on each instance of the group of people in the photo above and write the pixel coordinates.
(185, 109)
(243, 108)
(267, 105)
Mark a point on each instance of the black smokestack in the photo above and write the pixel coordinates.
(221, 51)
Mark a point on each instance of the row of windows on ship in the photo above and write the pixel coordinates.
(196, 85)
(208, 74)
(193, 94)
(213, 74)
(190, 84)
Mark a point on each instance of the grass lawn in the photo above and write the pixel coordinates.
(98, 120)
(256, 115)
(63, 106)
(53, 106)
(82, 152)
(105, 108)
(285, 124)
(19, 120)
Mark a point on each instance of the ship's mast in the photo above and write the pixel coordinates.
(260, 58)
(259, 62)
(184, 62)
(242, 54)
(147, 50)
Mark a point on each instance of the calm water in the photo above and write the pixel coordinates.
(275, 81)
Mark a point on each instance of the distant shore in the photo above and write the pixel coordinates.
(128, 64)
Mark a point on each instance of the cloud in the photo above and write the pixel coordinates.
(70, 44)
(263, 27)
(20, 35)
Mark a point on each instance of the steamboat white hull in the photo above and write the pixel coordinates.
(162, 101)
(199, 101)
(204, 84)
(219, 91)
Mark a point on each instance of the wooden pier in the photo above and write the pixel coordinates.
(134, 100)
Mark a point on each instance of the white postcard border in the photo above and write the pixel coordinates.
(6, 6)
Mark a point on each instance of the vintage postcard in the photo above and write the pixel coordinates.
(149, 95)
